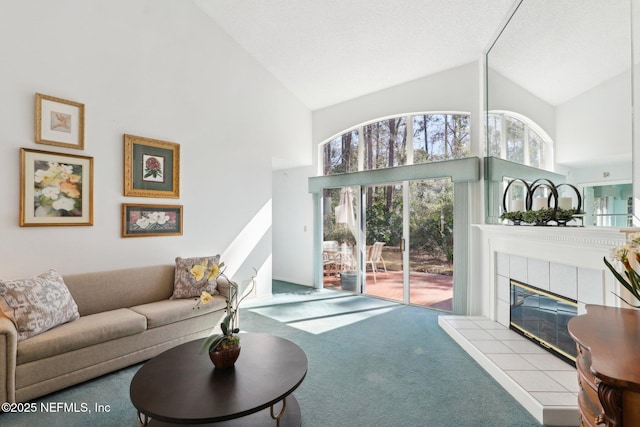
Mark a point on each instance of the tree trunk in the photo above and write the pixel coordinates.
(346, 152)
(446, 136)
(426, 139)
(369, 145)
(393, 134)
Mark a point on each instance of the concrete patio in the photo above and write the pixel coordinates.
(426, 289)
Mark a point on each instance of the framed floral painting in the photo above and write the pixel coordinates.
(151, 220)
(59, 122)
(151, 167)
(55, 189)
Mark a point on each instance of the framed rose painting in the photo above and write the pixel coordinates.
(151, 167)
(151, 220)
(55, 189)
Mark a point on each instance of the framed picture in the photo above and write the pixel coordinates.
(151, 167)
(55, 188)
(59, 122)
(151, 220)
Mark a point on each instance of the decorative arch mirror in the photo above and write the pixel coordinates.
(566, 66)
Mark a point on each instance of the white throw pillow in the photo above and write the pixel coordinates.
(37, 304)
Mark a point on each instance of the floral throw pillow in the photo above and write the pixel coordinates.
(37, 304)
(194, 275)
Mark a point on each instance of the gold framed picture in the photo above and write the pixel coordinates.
(55, 189)
(151, 220)
(151, 167)
(59, 122)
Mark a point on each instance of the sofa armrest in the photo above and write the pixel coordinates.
(8, 357)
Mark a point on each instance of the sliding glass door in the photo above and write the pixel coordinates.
(384, 231)
(430, 243)
(393, 241)
(409, 242)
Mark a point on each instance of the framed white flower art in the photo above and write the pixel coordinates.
(55, 189)
(151, 220)
(59, 122)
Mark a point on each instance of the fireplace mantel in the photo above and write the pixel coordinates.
(579, 247)
(584, 237)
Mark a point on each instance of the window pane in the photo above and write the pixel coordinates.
(536, 151)
(385, 143)
(494, 135)
(515, 140)
(519, 142)
(440, 137)
(341, 154)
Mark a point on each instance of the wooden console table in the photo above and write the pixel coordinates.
(608, 365)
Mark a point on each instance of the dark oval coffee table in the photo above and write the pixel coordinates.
(181, 386)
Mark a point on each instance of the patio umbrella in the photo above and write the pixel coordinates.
(345, 213)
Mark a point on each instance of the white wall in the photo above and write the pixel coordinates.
(160, 69)
(457, 89)
(293, 226)
(593, 133)
(508, 96)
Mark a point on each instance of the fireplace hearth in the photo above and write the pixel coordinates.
(542, 317)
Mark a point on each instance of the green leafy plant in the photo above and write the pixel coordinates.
(629, 256)
(514, 216)
(564, 215)
(229, 325)
(540, 216)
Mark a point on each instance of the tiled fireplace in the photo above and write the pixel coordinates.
(559, 261)
(543, 317)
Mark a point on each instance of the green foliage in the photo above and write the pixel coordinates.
(385, 225)
(512, 216)
(228, 326)
(431, 223)
(431, 217)
(631, 283)
(340, 233)
(378, 221)
(539, 216)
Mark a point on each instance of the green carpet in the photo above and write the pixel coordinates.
(320, 312)
(394, 368)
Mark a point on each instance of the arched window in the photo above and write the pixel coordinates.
(398, 140)
(517, 138)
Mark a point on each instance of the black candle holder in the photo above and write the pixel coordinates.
(553, 213)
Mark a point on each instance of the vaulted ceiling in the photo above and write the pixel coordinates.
(329, 51)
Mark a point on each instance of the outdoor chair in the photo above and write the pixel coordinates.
(374, 256)
(329, 250)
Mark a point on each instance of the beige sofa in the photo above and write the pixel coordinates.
(126, 317)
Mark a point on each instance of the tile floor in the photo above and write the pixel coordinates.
(545, 385)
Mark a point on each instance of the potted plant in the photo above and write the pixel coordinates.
(538, 217)
(515, 217)
(563, 216)
(224, 347)
(629, 256)
(349, 280)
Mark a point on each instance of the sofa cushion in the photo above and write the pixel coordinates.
(84, 332)
(37, 304)
(170, 311)
(194, 275)
(96, 292)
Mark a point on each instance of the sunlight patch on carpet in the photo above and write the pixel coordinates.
(325, 314)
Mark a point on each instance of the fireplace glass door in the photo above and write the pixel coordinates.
(543, 317)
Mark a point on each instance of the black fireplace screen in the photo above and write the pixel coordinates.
(542, 317)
